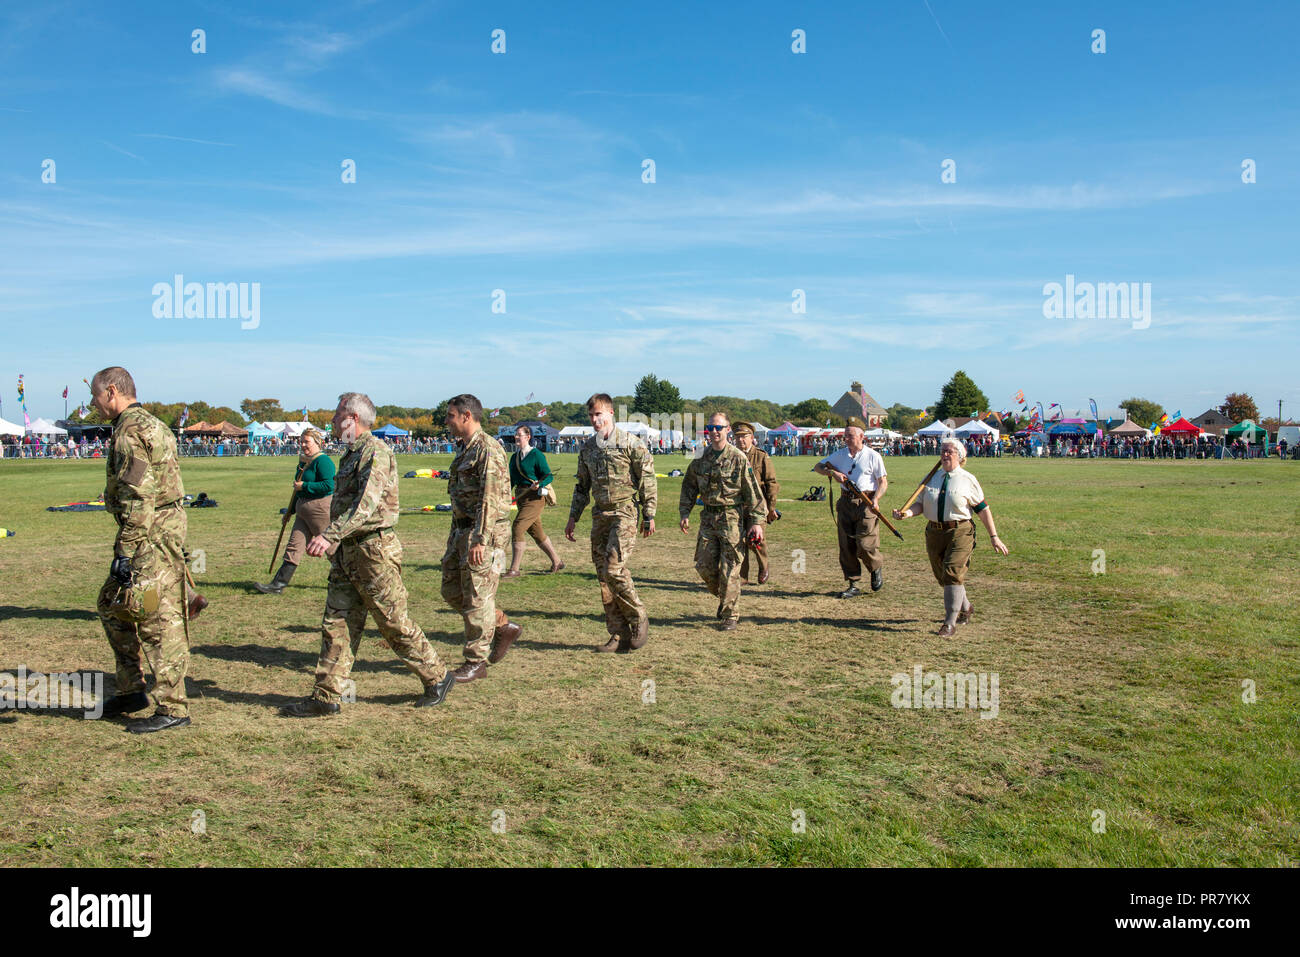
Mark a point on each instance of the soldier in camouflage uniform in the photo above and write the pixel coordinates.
(142, 604)
(480, 532)
(728, 491)
(761, 463)
(365, 569)
(614, 468)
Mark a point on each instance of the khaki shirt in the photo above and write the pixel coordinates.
(723, 478)
(963, 497)
(611, 471)
(143, 475)
(761, 463)
(365, 490)
(480, 485)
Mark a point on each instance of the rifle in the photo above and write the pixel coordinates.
(921, 488)
(284, 522)
(858, 495)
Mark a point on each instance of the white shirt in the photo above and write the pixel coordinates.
(963, 496)
(865, 470)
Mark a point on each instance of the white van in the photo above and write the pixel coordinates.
(1290, 434)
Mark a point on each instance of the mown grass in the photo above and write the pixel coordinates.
(1120, 692)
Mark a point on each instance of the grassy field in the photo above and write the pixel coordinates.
(1120, 692)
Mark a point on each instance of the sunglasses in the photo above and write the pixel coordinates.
(715, 428)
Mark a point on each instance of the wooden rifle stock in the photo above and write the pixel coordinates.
(865, 499)
(921, 488)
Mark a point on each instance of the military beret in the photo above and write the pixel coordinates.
(742, 428)
(854, 422)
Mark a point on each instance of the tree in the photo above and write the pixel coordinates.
(262, 410)
(1238, 406)
(813, 412)
(655, 396)
(901, 416)
(1143, 411)
(961, 396)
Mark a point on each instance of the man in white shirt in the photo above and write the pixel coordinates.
(856, 525)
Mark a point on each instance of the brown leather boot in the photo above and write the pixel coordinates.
(640, 633)
(612, 645)
(471, 671)
(197, 604)
(505, 636)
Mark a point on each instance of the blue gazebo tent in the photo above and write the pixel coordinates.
(390, 431)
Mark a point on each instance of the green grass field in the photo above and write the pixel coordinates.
(1120, 692)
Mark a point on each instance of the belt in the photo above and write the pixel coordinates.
(949, 526)
(364, 536)
(719, 508)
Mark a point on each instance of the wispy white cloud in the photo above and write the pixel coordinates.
(122, 151)
(182, 139)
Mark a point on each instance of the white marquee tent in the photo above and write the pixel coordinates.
(976, 427)
(9, 428)
(45, 427)
(935, 429)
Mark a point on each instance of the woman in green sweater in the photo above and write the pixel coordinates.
(313, 485)
(529, 475)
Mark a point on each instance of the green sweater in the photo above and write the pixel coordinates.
(317, 478)
(533, 469)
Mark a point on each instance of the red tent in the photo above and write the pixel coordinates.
(1181, 428)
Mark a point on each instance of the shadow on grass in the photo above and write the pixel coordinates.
(68, 614)
(371, 656)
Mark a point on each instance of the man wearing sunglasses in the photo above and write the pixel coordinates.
(724, 483)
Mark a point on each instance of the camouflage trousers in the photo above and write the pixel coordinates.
(717, 557)
(472, 589)
(613, 535)
(759, 554)
(159, 637)
(366, 578)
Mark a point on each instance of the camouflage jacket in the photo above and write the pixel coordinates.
(480, 485)
(611, 472)
(723, 478)
(761, 463)
(365, 490)
(143, 476)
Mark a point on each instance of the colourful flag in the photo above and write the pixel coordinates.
(185, 417)
(494, 413)
(541, 413)
(22, 393)
(530, 397)
(1020, 396)
(65, 391)
(304, 413)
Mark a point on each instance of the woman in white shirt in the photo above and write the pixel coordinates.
(949, 499)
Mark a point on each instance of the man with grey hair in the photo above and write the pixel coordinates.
(365, 569)
(856, 525)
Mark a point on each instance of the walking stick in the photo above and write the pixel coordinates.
(921, 488)
(284, 522)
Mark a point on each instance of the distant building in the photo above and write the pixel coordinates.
(851, 403)
(1213, 421)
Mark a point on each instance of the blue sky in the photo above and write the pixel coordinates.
(775, 171)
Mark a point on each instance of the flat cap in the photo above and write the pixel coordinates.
(742, 428)
(854, 422)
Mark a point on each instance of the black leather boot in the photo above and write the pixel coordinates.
(276, 585)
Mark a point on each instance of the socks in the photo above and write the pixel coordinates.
(952, 598)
